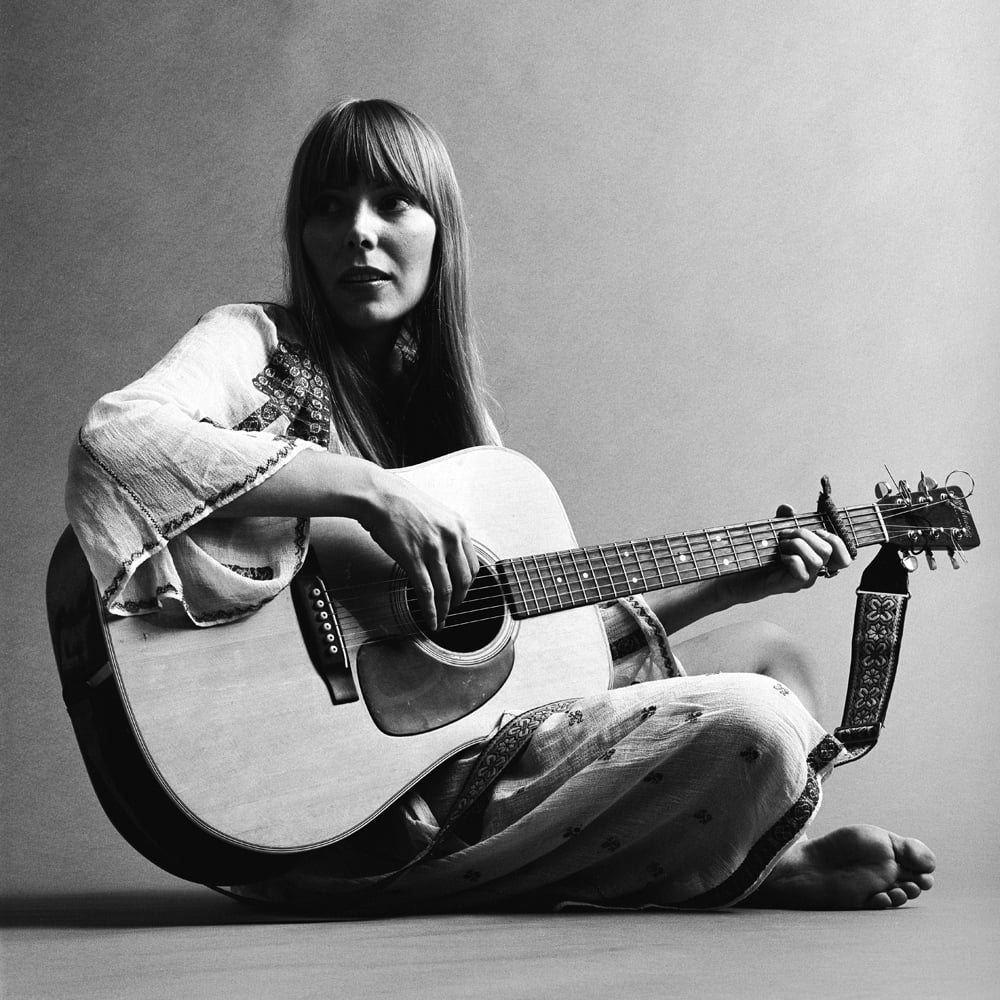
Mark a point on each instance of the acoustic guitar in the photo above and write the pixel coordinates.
(224, 753)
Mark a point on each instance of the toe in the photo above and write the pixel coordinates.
(911, 889)
(913, 854)
(897, 897)
(880, 901)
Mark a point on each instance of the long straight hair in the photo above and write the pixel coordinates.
(442, 406)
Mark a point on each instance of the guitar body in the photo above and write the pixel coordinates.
(234, 725)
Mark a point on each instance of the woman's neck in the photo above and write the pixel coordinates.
(371, 349)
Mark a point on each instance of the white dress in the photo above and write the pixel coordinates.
(666, 790)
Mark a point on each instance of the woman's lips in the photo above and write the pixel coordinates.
(363, 275)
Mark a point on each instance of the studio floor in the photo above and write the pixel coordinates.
(187, 943)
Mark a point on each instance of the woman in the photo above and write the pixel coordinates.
(190, 492)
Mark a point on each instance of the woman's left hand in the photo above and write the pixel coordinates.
(805, 556)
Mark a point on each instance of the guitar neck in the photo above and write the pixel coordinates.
(554, 581)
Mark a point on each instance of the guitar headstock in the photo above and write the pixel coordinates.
(927, 519)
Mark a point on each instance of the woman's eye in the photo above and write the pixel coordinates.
(326, 203)
(397, 201)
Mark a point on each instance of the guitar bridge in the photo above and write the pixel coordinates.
(321, 632)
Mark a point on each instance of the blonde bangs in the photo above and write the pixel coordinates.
(373, 142)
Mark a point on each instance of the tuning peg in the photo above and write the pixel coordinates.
(909, 561)
(882, 490)
(931, 561)
(926, 484)
(955, 564)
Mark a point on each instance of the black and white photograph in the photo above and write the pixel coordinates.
(501, 498)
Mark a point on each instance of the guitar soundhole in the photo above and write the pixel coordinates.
(476, 622)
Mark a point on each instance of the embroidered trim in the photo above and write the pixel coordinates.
(252, 572)
(226, 614)
(500, 752)
(298, 389)
(92, 455)
(655, 626)
(824, 753)
(148, 604)
(172, 527)
(630, 643)
(125, 567)
(878, 627)
(767, 848)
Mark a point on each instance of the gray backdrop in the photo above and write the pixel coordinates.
(720, 249)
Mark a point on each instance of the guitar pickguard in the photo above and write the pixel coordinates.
(409, 689)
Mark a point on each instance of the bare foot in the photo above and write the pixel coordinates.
(853, 868)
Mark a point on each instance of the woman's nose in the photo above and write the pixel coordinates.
(363, 229)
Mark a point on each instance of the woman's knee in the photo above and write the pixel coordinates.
(769, 647)
(754, 647)
(761, 712)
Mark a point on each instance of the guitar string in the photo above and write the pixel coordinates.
(694, 542)
(749, 538)
(494, 610)
(467, 613)
(656, 570)
(864, 516)
(751, 530)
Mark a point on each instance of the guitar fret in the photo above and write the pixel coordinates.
(656, 561)
(774, 532)
(541, 583)
(580, 576)
(571, 576)
(531, 587)
(753, 542)
(850, 524)
(520, 586)
(732, 548)
(711, 548)
(551, 581)
(593, 573)
(632, 580)
(555, 577)
(673, 563)
(612, 589)
(642, 572)
(694, 559)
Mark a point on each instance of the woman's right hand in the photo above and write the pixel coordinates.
(426, 538)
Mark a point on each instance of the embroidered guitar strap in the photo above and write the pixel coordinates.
(878, 632)
(502, 748)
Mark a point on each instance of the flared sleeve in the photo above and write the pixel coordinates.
(235, 400)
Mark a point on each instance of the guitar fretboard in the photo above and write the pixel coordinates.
(554, 581)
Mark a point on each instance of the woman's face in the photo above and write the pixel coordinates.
(370, 247)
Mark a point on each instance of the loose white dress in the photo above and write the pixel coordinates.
(665, 791)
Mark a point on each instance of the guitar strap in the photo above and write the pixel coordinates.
(502, 748)
(878, 632)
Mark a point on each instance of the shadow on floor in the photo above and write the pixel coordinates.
(182, 907)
